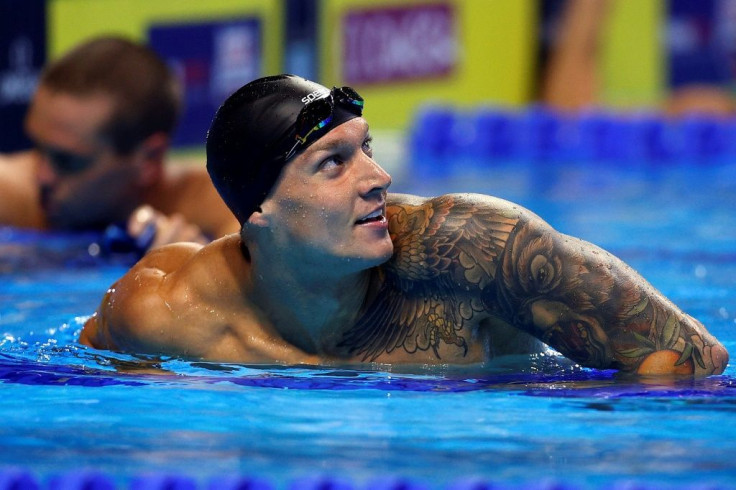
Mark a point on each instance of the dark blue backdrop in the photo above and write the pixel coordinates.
(22, 54)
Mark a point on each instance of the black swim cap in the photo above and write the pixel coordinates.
(255, 130)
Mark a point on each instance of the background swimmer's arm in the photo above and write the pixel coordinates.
(136, 313)
(145, 222)
(19, 202)
(571, 79)
(570, 294)
(191, 203)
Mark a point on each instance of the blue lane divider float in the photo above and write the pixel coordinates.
(22, 479)
(444, 138)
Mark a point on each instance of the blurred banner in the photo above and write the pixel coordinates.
(22, 55)
(401, 54)
(212, 60)
(701, 42)
(397, 44)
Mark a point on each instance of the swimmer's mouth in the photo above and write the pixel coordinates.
(376, 215)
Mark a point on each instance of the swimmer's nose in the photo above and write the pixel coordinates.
(377, 179)
(46, 175)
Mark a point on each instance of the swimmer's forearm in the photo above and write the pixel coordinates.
(671, 341)
(596, 310)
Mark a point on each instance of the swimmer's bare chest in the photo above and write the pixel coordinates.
(467, 346)
(434, 326)
(437, 326)
(247, 337)
(472, 343)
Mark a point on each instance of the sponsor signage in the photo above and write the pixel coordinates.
(403, 43)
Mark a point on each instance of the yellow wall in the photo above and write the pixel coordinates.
(633, 60)
(72, 21)
(496, 59)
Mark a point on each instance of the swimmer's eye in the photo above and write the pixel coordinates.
(368, 146)
(330, 163)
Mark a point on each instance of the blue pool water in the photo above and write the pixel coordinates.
(535, 420)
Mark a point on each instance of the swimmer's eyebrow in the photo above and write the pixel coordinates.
(334, 144)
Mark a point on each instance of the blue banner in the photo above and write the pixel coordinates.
(212, 60)
(701, 42)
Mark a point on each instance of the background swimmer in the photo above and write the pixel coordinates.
(101, 120)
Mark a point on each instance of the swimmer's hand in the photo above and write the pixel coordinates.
(152, 229)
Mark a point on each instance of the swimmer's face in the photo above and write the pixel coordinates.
(330, 202)
(83, 182)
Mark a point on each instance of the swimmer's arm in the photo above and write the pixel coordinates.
(592, 307)
(570, 294)
(19, 204)
(136, 313)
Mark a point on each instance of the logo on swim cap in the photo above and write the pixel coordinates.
(317, 94)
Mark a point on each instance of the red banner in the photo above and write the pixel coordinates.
(399, 43)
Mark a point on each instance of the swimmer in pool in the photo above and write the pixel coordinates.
(330, 269)
(101, 121)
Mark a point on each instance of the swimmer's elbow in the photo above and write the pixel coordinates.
(85, 337)
(90, 335)
(99, 329)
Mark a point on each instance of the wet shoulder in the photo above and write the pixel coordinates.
(449, 217)
(216, 268)
(206, 271)
(448, 233)
(451, 204)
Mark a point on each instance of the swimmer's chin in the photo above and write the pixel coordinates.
(364, 262)
(376, 252)
(386, 255)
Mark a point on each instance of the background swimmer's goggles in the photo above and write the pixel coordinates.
(65, 162)
(318, 113)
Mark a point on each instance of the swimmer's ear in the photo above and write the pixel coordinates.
(259, 219)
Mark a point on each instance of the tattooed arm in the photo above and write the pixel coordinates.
(498, 259)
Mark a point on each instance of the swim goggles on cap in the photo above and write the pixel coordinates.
(318, 113)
